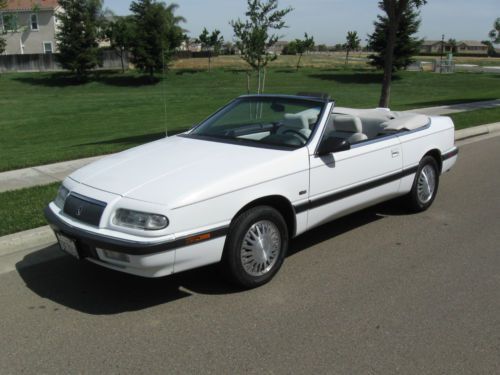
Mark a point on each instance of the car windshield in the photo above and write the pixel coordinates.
(271, 121)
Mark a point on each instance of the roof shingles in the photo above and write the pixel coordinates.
(14, 5)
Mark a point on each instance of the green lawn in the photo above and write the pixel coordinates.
(478, 117)
(47, 118)
(23, 209)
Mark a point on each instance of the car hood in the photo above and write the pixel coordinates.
(179, 171)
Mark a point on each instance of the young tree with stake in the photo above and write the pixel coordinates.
(254, 36)
(353, 43)
(302, 46)
(212, 43)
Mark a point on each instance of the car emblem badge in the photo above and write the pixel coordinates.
(79, 211)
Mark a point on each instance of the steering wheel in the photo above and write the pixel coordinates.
(296, 132)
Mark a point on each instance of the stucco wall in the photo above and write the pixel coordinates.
(31, 40)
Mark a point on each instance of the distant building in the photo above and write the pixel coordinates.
(190, 45)
(277, 49)
(463, 47)
(29, 26)
(472, 46)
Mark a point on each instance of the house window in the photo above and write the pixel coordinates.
(9, 22)
(47, 47)
(34, 22)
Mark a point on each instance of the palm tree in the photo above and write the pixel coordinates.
(352, 43)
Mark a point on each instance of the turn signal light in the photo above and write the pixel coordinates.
(195, 239)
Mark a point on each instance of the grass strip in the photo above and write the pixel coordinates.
(477, 117)
(23, 209)
(49, 117)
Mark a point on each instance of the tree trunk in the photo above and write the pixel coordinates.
(264, 80)
(123, 63)
(258, 78)
(347, 57)
(298, 62)
(385, 95)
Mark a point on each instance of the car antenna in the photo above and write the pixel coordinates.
(164, 93)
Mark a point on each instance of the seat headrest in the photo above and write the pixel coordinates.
(296, 121)
(347, 123)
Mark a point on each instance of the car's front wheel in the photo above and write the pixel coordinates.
(256, 246)
(425, 186)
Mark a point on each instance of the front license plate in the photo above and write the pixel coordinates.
(68, 245)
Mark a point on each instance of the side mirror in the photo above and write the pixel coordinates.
(333, 144)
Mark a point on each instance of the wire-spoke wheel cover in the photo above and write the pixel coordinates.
(426, 184)
(260, 248)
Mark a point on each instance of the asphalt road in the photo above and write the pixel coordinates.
(378, 292)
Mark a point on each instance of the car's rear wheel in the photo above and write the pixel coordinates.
(256, 246)
(425, 186)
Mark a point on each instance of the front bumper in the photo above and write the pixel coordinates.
(144, 258)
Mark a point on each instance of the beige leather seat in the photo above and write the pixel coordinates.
(348, 127)
(295, 122)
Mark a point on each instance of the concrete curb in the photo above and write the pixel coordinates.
(477, 131)
(28, 248)
(37, 237)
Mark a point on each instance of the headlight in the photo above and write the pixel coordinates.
(62, 194)
(139, 220)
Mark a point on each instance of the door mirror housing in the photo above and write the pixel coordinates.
(333, 144)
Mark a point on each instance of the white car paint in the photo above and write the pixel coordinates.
(201, 186)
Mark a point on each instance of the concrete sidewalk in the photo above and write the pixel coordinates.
(41, 175)
(456, 108)
(46, 174)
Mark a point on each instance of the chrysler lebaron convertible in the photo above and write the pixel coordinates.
(239, 186)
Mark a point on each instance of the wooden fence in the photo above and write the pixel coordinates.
(48, 63)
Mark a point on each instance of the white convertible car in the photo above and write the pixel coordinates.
(238, 186)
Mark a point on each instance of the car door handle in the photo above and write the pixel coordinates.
(395, 153)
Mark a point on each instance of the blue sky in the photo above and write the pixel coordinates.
(329, 20)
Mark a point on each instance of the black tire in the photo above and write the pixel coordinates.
(415, 200)
(233, 252)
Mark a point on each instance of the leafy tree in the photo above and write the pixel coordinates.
(491, 48)
(353, 43)
(211, 42)
(78, 34)
(322, 48)
(290, 48)
(392, 40)
(254, 36)
(337, 47)
(303, 46)
(406, 46)
(228, 48)
(3, 43)
(157, 34)
(121, 34)
(495, 32)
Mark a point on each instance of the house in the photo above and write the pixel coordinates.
(463, 47)
(433, 46)
(278, 47)
(29, 26)
(472, 47)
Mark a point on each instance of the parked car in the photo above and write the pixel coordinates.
(237, 187)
